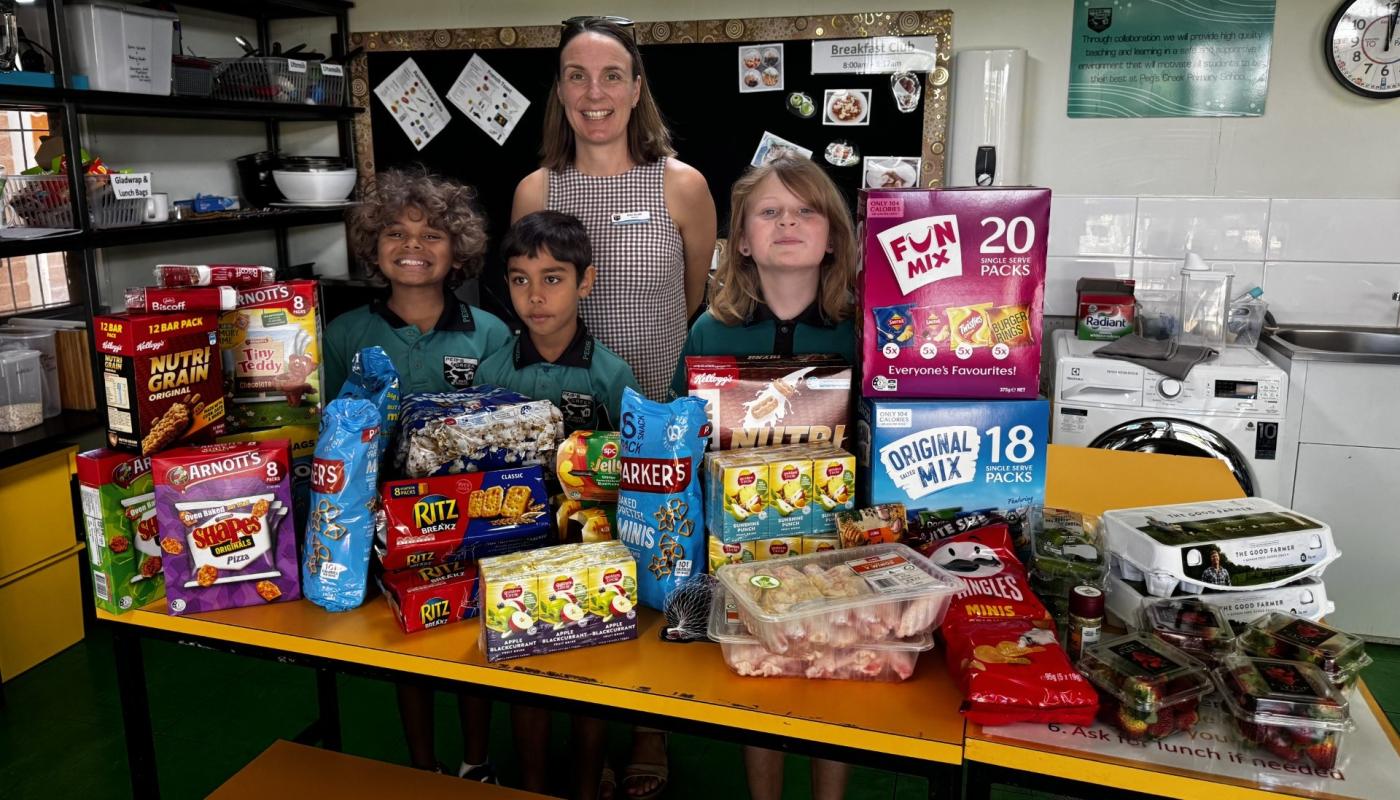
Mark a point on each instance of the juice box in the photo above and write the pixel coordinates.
(744, 512)
(722, 552)
(563, 590)
(951, 291)
(612, 579)
(790, 486)
(119, 515)
(834, 487)
(820, 543)
(777, 547)
(509, 608)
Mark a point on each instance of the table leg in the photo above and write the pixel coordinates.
(136, 715)
(328, 702)
(945, 782)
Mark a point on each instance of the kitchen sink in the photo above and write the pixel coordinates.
(1343, 341)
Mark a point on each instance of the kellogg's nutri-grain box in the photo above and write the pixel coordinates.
(119, 515)
(951, 291)
(949, 454)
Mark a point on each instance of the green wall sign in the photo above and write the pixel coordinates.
(1170, 58)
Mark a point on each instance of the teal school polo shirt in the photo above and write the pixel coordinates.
(442, 360)
(762, 333)
(586, 382)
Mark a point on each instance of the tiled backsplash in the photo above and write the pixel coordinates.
(1318, 261)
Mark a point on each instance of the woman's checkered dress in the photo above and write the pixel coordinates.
(637, 308)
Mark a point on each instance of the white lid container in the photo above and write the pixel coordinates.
(1222, 545)
(890, 661)
(40, 339)
(122, 48)
(840, 598)
(21, 390)
(1306, 598)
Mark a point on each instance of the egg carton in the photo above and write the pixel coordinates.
(1306, 598)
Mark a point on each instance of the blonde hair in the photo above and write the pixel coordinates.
(648, 138)
(448, 205)
(737, 291)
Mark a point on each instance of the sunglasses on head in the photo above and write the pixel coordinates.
(584, 20)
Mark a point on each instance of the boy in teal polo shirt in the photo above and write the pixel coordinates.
(549, 268)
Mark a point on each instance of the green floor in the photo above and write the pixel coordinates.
(61, 730)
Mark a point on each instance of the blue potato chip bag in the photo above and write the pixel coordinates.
(895, 325)
(344, 475)
(659, 505)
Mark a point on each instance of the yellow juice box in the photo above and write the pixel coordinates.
(563, 590)
(790, 489)
(778, 547)
(820, 542)
(722, 552)
(612, 579)
(834, 484)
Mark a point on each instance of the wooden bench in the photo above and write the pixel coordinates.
(294, 770)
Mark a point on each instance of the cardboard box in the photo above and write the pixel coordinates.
(767, 492)
(428, 597)
(459, 517)
(163, 379)
(951, 292)
(119, 515)
(271, 348)
(763, 400)
(302, 442)
(966, 455)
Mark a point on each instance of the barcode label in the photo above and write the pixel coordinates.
(890, 573)
(99, 587)
(884, 583)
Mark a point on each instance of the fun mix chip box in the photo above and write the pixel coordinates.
(163, 379)
(454, 517)
(951, 291)
(272, 356)
(226, 527)
(119, 515)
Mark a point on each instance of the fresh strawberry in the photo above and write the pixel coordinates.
(1130, 724)
(1161, 728)
(1187, 720)
(1283, 750)
(1323, 754)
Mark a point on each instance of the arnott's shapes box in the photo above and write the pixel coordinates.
(951, 292)
(950, 454)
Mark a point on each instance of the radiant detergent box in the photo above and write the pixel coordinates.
(951, 291)
(966, 455)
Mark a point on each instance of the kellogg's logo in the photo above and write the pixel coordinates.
(923, 251)
(710, 379)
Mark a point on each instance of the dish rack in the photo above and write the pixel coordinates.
(42, 201)
(271, 79)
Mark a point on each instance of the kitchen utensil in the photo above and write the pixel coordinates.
(315, 187)
(158, 207)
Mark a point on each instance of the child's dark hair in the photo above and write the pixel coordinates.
(448, 205)
(562, 235)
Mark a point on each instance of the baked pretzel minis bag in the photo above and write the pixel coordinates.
(659, 502)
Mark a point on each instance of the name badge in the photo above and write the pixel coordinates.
(631, 217)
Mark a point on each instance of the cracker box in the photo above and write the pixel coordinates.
(302, 442)
(966, 455)
(427, 597)
(762, 400)
(272, 356)
(951, 292)
(226, 525)
(457, 517)
(163, 379)
(119, 515)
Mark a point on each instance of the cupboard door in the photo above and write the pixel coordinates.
(1351, 404)
(1354, 490)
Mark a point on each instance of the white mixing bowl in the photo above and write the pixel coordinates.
(315, 187)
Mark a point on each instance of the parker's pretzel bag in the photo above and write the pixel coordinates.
(761, 400)
(225, 514)
(455, 517)
(1001, 643)
(272, 356)
(659, 513)
(483, 427)
(340, 527)
(163, 379)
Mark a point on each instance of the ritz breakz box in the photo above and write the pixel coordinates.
(951, 292)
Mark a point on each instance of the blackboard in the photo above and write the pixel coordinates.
(693, 71)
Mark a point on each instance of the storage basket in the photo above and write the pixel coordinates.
(263, 79)
(325, 84)
(42, 201)
(107, 210)
(193, 77)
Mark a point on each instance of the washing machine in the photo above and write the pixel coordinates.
(1230, 409)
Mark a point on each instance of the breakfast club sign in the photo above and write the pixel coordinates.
(879, 55)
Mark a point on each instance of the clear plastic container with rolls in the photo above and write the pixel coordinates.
(21, 390)
(45, 343)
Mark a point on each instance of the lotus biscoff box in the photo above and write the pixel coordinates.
(951, 454)
(951, 292)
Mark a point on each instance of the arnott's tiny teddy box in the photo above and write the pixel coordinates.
(951, 292)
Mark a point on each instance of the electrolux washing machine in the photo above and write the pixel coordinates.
(1230, 408)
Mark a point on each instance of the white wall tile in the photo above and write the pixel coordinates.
(1092, 226)
(1062, 273)
(1357, 231)
(1330, 293)
(1161, 274)
(1216, 228)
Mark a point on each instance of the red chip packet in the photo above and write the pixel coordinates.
(1000, 640)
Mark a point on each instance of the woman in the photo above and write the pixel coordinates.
(607, 159)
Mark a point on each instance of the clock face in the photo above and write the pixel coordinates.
(1363, 47)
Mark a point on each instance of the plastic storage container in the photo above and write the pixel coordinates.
(192, 77)
(1287, 708)
(1067, 550)
(1246, 322)
(45, 343)
(1205, 300)
(122, 48)
(42, 201)
(325, 83)
(890, 661)
(266, 79)
(1191, 625)
(1307, 598)
(1337, 653)
(840, 598)
(21, 390)
(1147, 690)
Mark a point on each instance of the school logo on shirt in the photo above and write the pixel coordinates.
(458, 371)
(579, 411)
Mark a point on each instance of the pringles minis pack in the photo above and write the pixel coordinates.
(951, 292)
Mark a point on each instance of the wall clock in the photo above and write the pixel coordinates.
(1362, 47)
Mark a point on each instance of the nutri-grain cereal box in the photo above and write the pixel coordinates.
(951, 292)
(119, 516)
(162, 378)
(226, 527)
(272, 356)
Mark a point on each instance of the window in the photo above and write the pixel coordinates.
(28, 282)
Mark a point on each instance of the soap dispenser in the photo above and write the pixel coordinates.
(1205, 299)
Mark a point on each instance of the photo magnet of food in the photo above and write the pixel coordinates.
(761, 400)
(801, 105)
(119, 518)
(906, 89)
(846, 107)
(163, 379)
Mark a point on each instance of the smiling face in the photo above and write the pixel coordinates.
(545, 292)
(414, 253)
(597, 87)
(782, 231)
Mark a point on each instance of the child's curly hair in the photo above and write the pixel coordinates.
(449, 205)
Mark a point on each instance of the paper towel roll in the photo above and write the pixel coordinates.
(989, 89)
